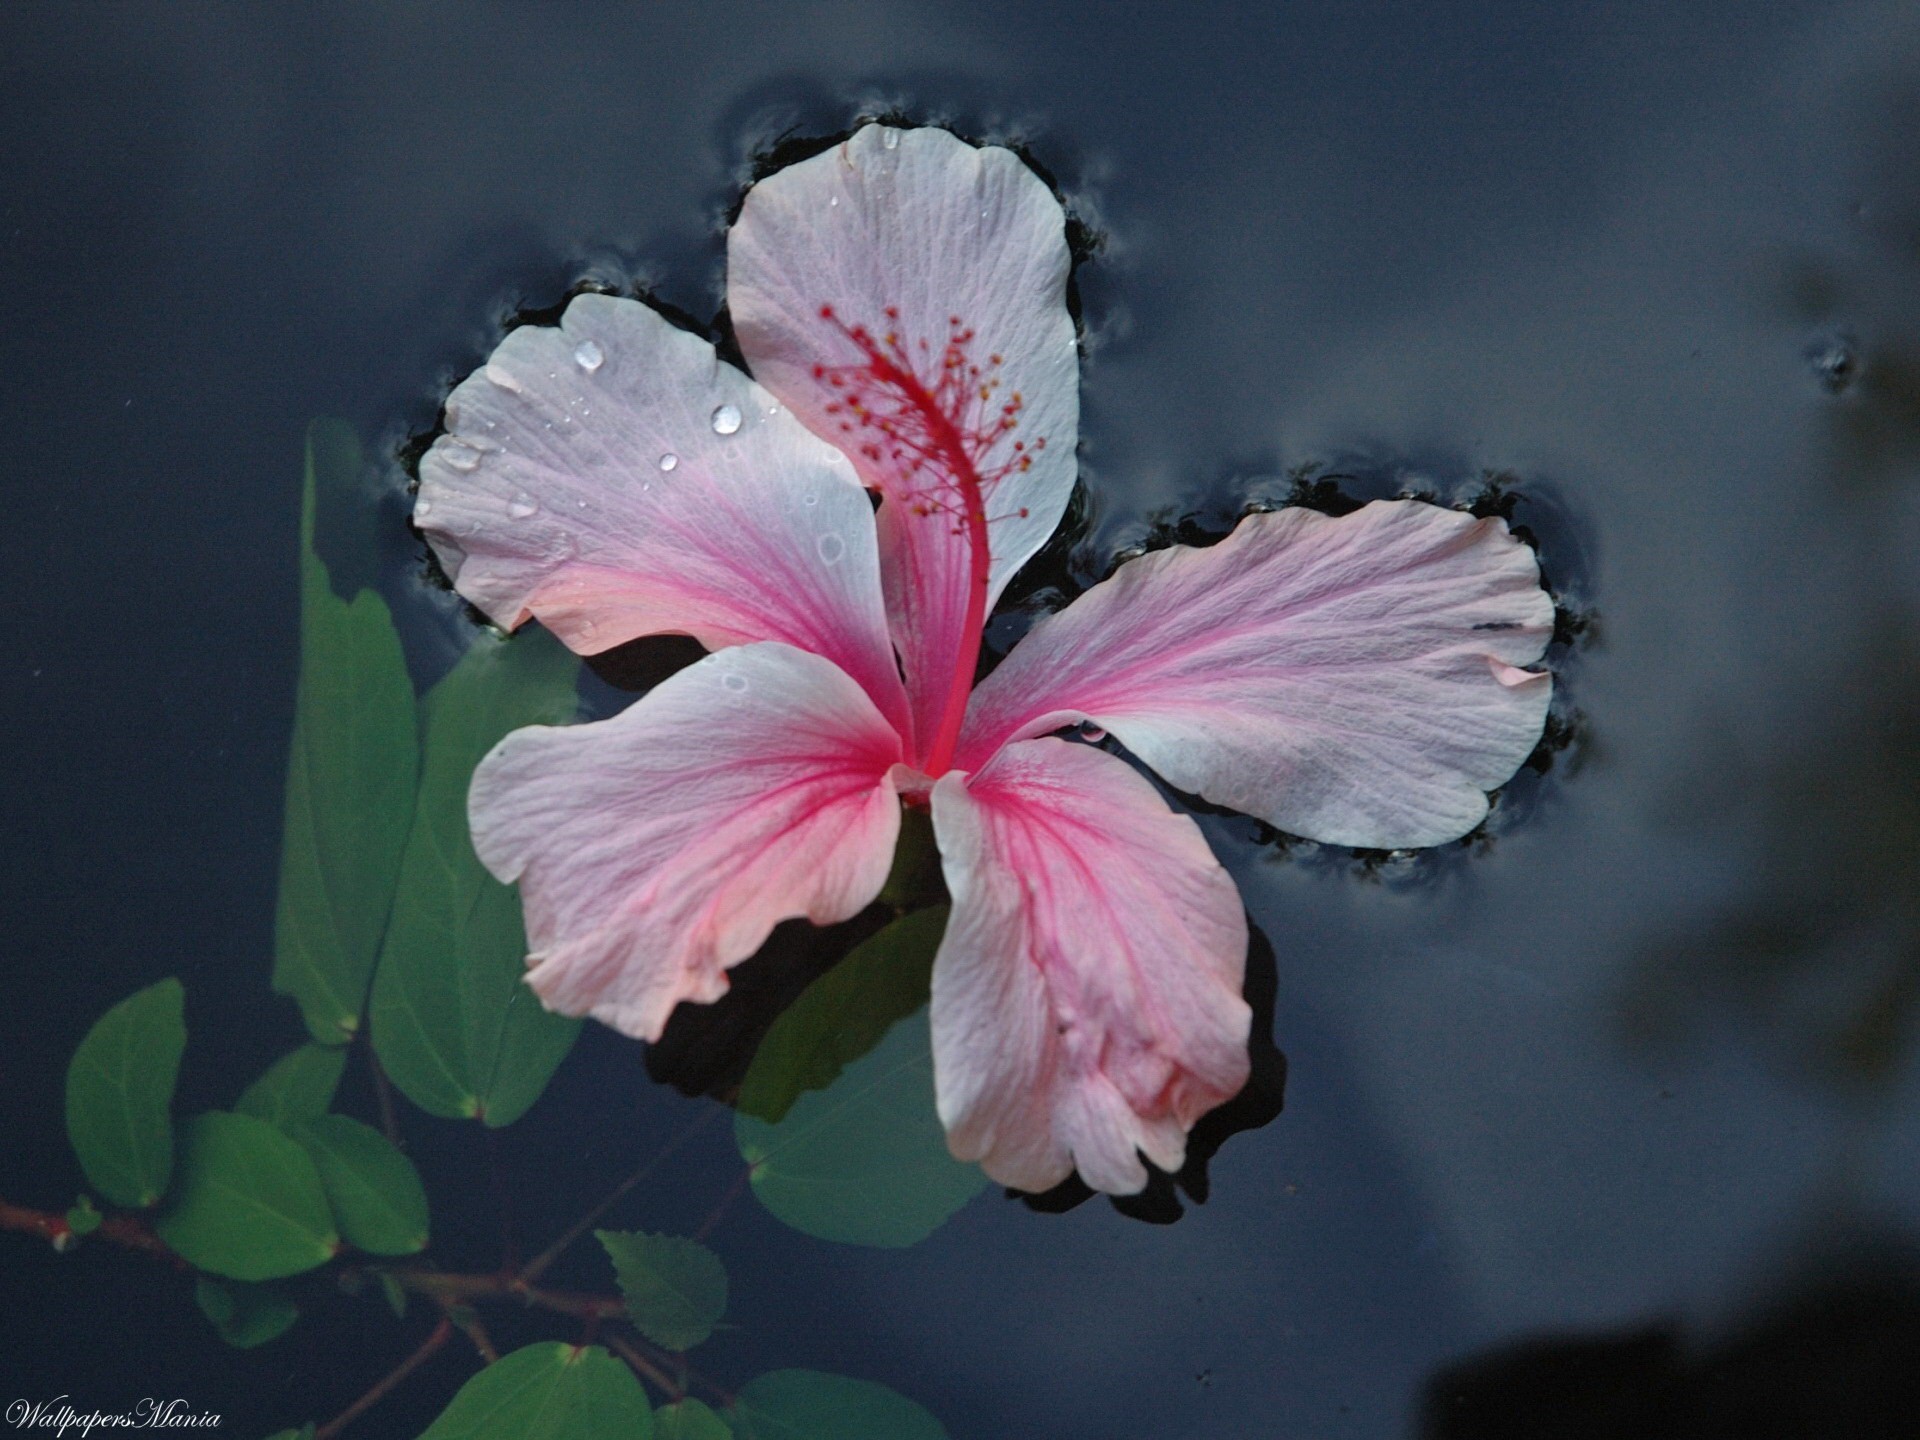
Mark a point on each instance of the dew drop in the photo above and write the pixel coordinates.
(810, 498)
(504, 378)
(520, 509)
(669, 461)
(833, 201)
(726, 419)
(735, 683)
(422, 508)
(890, 139)
(831, 548)
(588, 356)
(463, 458)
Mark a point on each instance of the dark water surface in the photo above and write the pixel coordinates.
(1642, 1058)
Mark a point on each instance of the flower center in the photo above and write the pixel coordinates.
(935, 430)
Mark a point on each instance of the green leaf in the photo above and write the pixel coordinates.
(296, 1087)
(453, 1021)
(396, 1295)
(83, 1218)
(810, 1405)
(548, 1392)
(373, 1189)
(120, 1094)
(350, 777)
(863, 1161)
(843, 1015)
(305, 1432)
(689, 1420)
(675, 1288)
(249, 1205)
(245, 1315)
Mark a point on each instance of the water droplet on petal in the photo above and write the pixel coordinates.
(422, 508)
(833, 201)
(460, 457)
(520, 509)
(810, 498)
(726, 419)
(890, 139)
(735, 683)
(588, 356)
(504, 378)
(669, 461)
(831, 548)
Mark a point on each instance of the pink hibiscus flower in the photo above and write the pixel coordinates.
(901, 300)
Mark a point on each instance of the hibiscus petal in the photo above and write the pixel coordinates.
(1358, 681)
(945, 257)
(614, 478)
(1086, 996)
(655, 849)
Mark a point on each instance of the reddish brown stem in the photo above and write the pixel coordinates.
(386, 1385)
(645, 1367)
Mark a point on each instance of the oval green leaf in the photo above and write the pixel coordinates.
(863, 1161)
(351, 774)
(373, 1189)
(120, 1094)
(245, 1315)
(689, 1420)
(548, 1392)
(675, 1288)
(811, 1405)
(249, 1205)
(453, 1021)
(297, 1086)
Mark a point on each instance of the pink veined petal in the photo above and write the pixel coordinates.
(585, 479)
(1086, 996)
(656, 849)
(905, 293)
(1358, 681)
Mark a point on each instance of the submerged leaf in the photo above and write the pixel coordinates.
(689, 1420)
(675, 1288)
(120, 1094)
(811, 1405)
(297, 1086)
(350, 776)
(249, 1204)
(453, 1021)
(863, 1161)
(245, 1315)
(374, 1190)
(548, 1392)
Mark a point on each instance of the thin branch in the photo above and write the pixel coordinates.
(538, 1266)
(385, 1386)
(644, 1367)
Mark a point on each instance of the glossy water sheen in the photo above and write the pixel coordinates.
(1657, 260)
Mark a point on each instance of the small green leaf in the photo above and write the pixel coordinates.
(453, 1021)
(863, 1161)
(689, 1420)
(675, 1288)
(844, 1014)
(83, 1218)
(297, 1086)
(249, 1204)
(305, 1432)
(396, 1294)
(120, 1094)
(810, 1405)
(350, 777)
(245, 1315)
(373, 1189)
(548, 1392)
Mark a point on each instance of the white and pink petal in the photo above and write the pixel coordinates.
(1361, 680)
(1087, 1004)
(905, 294)
(658, 848)
(614, 478)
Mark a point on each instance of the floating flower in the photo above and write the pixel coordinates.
(901, 300)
